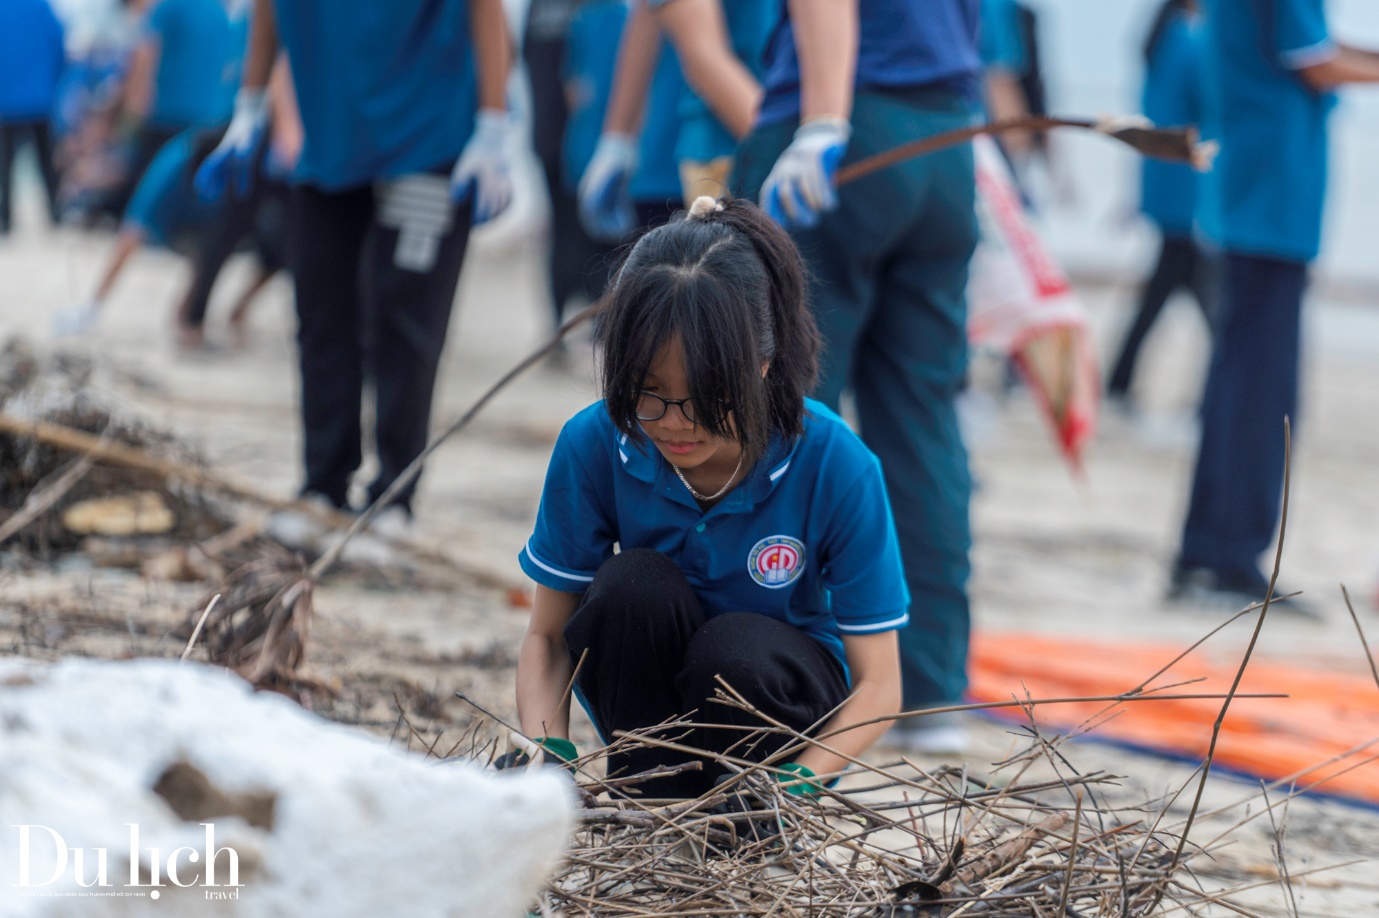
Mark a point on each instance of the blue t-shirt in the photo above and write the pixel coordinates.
(658, 175)
(1002, 46)
(1265, 192)
(591, 57)
(807, 537)
(901, 43)
(31, 59)
(196, 50)
(164, 204)
(1172, 98)
(749, 24)
(385, 89)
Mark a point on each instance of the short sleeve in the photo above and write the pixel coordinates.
(1301, 38)
(574, 531)
(861, 559)
(1001, 45)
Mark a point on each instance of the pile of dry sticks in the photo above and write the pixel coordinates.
(1031, 836)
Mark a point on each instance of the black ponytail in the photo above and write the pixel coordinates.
(729, 284)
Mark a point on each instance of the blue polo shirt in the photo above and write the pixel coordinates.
(807, 537)
(1172, 97)
(31, 59)
(591, 57)
(1265, 192)
(749, 23)
(901, 44)
(384, 89)
(197, 53)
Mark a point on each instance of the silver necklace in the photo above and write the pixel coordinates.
(717, 494)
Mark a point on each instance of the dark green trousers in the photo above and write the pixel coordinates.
(889, 271)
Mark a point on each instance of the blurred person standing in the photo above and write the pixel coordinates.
(720, 44)
(181, 75)
(567, 45)
(1172, 96)
(405, 146)
(31, 65)
(632, 180)
(1271, 66)
(888, 257)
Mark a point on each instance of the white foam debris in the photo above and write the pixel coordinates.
(358, 828)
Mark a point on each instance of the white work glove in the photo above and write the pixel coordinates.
(605, 203)
(800, 186)
(76, 320)
(482, 169)
(231, 163)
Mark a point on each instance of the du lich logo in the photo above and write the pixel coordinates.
(215, 869)
(776, 561)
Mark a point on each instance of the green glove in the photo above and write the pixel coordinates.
(559, 747)
(558, 750)
(806, 784)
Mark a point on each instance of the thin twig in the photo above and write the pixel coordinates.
(196, 632)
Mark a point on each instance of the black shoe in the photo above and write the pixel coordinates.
(1211, 586)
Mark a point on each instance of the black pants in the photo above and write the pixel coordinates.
(578, 265)
(12, 135)
(259, 218)
(1182, 265)
(652, 657)
(357, 308)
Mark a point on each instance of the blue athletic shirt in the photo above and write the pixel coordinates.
(196, 45)
(164, 204)
(591, 57)
(385, 88)
(31, 59)
(749, 23)
(658, 175)
(1265, 192)
(807, 537)
(901, 44)
(1002, 46)
(1172, 98)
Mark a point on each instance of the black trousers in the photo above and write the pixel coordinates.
(360, 314)
(259, 218)
(577, 266)
(652, 656)
(1182, 265)
(12, 135)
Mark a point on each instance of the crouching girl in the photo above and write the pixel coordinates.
(707, 520)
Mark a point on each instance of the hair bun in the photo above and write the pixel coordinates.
(703, 206)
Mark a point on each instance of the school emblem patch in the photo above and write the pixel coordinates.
(776, 561)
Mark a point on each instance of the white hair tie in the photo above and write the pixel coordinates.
(703, 206)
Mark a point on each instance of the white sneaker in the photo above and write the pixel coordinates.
(393, 522)
(934, 734)
(76, 320)
(378, 544)
(301, 530)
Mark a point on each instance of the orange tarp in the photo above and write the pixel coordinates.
(1328, 714)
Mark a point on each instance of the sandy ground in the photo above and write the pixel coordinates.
(1053, 554)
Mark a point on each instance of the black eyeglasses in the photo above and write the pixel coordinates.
(651, 407)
